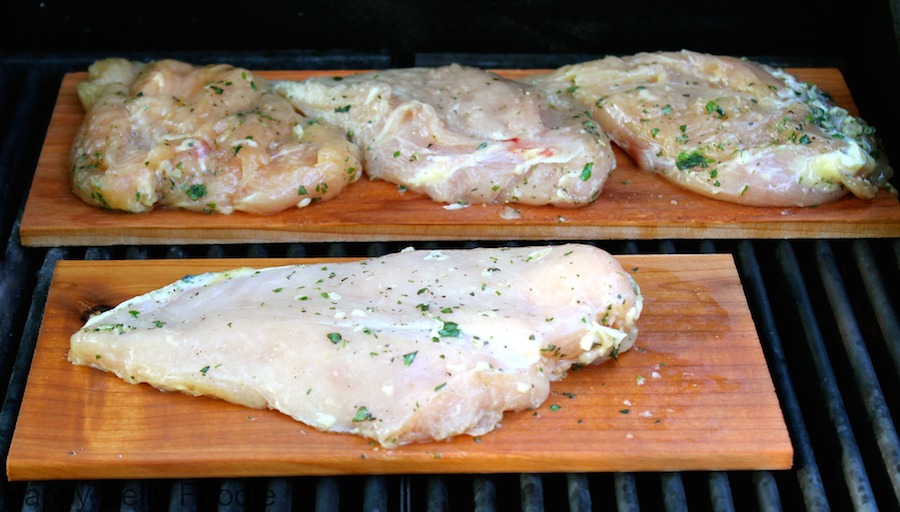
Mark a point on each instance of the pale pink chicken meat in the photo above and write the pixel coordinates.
(728, 128)
(463, 135)
(213, 139)
(413, 346)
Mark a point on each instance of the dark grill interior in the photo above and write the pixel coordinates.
(824, 312)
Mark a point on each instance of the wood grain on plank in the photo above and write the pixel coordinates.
(694, 394)
(633, 205)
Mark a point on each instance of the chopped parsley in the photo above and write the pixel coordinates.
(334, 338)
(586, 172)
(362, 414)
(713, 108)
(196, 191)
(687, 160)
(409, 358)
(450, 330)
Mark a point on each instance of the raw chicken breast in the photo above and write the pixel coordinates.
(728, 128)
(463, 135)
(213, 139)
(415, 346)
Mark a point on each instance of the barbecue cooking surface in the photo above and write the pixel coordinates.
(824, 313)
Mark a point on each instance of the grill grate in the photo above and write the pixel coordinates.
(823, 311)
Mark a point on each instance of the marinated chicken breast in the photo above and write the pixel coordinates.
(213, 139)
(414, 346)
(728, 128)
(463, 135)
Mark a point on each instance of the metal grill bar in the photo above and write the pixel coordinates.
(16, 389)
(720, 492)
(863, 370)
(279, 495)
(626, 493)
(766, 492)
(485, 494)
(579, 492)
(854, 469)
(375, 496)
(878, 297)
(532, 492)
(674, 498)
(24, 121)
(804, 459)
(327, 494)
(437, 495)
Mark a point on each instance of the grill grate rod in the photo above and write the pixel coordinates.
(626, 493)
(878, 297)
(328, 494)
(437, 495)
(855, 476)
(863, 370)
(579, 492)
(720, 492)
(12, 180)
(767, 492)
(531, 491)
(485, 491)
(375, 495)
(805, 464)
(22, 364)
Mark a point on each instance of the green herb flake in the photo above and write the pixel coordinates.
(253, 86)
(450, 330)
(98, 356)
(204, 370)
(362, 414)
(335, 338)
(713, 108)
(667, 110)
(554, 407)
(687, 160)
(440, 386)
(654, 132)
(625, 411)
(340, 110)
(302, 191)
(134, 314)
(409, 358)
(196, 191)
(586, 172)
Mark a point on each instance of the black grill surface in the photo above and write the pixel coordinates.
(824, 311)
